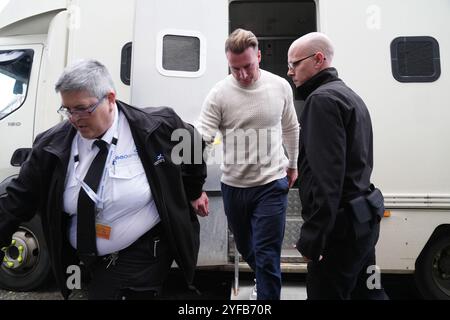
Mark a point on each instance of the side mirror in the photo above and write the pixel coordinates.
(18, 87)
(19, 156)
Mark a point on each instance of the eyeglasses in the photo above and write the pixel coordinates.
(80, 112)
(293, 65)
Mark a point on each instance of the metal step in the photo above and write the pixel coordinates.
(286, 267)
(291, 233)
(289, 291)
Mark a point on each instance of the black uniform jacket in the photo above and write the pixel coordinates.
(40, 186)
(335, 159)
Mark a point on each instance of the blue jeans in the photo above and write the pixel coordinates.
(256, 216)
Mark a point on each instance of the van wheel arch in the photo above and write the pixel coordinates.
(432, 274)
(33, 269)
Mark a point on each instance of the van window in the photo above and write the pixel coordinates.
(181, 53)
(15, 68)
(125, 63)
(415, 59)
(282, 19)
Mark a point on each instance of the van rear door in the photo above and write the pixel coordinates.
(178, 55)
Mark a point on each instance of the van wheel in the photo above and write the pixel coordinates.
(433, 269)
(26, 264)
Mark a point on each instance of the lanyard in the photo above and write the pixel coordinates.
(98, 197)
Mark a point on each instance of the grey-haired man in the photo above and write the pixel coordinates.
(98, 180)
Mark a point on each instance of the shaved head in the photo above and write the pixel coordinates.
(309, 55)
(314, 42)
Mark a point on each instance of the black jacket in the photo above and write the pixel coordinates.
(336, 155)
(40, 186)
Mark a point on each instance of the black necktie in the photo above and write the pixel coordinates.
(86, 236)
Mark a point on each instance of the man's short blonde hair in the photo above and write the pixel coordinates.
(239, 40)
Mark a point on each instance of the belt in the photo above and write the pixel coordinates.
(156, 230)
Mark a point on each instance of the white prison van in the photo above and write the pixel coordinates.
(171, 52)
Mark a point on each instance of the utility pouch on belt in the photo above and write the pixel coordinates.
(376, 202)
(367, 210)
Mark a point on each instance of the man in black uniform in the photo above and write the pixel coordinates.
(109, 192)
(341, 209)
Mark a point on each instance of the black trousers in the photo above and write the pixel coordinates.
(141, 267)
(342, 274)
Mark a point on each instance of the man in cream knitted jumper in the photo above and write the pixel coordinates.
(264, 113)
(253, 110)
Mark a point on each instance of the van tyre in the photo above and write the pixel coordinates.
(433, 269)
(26, 265)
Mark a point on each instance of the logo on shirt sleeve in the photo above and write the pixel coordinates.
(159, 159)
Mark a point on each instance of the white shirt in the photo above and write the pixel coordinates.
(128, 205)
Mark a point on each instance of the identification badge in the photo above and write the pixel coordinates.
(103, 230)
